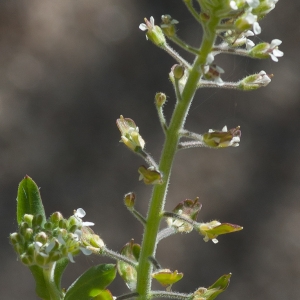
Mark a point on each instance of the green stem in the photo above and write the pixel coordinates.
(54, 293)
(189, 5)
(175, 39)
(157, 202)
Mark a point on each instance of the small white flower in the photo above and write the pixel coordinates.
(85, 251)
(210, 58)
(253, 3)
(37, 246)
(147, 25)
(79, 214)
(262, 79)
(233, 5)
(249, 44)
(70, 256)
(219, 81)
(256, 28)
(273, 50)
(50, 246)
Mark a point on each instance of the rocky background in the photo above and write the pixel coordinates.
(70, 68)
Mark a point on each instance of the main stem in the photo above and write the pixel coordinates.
(48, 273)
(157, 203)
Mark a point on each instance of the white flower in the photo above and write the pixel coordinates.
(273, 50)
(249, 44)
(262, 79)
(256, 28)
(253, 3)
(79, 214)
(233, 5)
(147, 25)
(210, 58)
(251, 19)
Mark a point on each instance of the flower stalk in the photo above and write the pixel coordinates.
(157, 202)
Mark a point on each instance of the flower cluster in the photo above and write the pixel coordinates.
(42, 244)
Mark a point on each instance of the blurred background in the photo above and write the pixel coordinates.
(68, 69)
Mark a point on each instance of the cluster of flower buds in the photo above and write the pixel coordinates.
(43, 244)
(168, 25)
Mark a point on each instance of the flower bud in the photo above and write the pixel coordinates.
(26, 259)
(28, 219)
(15, 238)
(37, 220)
(178, 71)
(168, 25)
(129, 200)
(56, 217)
(160, 99)
(154, 33)
(41, 237)
(28, 234)
(48, 226)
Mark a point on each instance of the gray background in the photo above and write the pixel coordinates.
(70, 68)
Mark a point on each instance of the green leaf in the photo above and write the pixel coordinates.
(29, 200)
(126, 271)
(41, 288)
(91, 283)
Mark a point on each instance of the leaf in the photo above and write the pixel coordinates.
(29, 200)
(92, 282)
(126, 271)
(40, 284)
